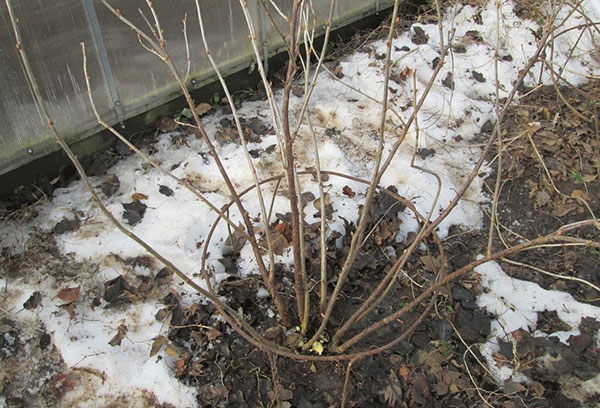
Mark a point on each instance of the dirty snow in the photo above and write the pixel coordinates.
(516, 304)
(346, 123)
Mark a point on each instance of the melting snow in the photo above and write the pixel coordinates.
(346, 123)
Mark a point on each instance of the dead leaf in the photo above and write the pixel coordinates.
(62, 383)
(213, 334)
(180, 367)
(279, 244)
(237, 240)
(110, 185)
(162, 314)
(401, 76)
(166, 124)
(541, 198)
(166, 191)
(419, 390)
(69, 295)
(419, 37)
(138, 197)
(317, 202)
(34, 301)
(66, 225)
(478, 76)
(404, 372)
(198, 339)
(298, 91)
(70, 308)
(337, 72)
(588, 178)
(284, 229)
(511, 387)
(306, 198)
(171, 351)
(580, 194)
(431, 263)
(392, 395)
(283, 394)
(348, 191)
(134, 212)
(225, 136)
(448, 81)
(121, 332)
(202, 108)
(163, 275)
(533, 127)
(564, 209)
(538, 388)
(119, 289)
(158, 342)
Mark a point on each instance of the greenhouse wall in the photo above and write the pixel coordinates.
(126, 79)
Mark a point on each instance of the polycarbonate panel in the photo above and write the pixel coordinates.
(143, 80)
(51, 33)
(345, 12)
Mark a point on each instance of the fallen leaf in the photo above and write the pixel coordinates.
(110, 185)
(69, 295)
(116, 339)
(202, 108)
(425, 153)
(279, 244)
(198, 339)
(70, 307)
(138, 197)
(511, 387)
(284, 229)
(419, 390)
(62, 383)
(478, 76)
(163, 275)
(134, 212)
(306, 197)
(337, 72)
(541, 198)
(404, 372)
(213, 334)
(401, 76)
(588, 178)
(237, 240)
(171, 351)
(580, 194)
(66, 225)
(162, 314)
(533, 127)
(45, 341)
(298, 91)
(317, 202)
(538, 388)
(34, 301)
(348, 191)
(419, 36)
(180, 367)
(392, 395)
(118, 289)
(166, 124)
(448, 81)
(430, 263)
(564, 209)
(164, 190)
